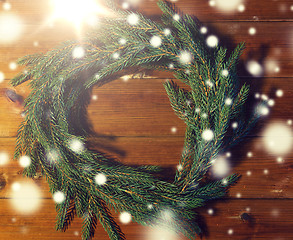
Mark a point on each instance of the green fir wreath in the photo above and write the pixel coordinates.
(86, 183)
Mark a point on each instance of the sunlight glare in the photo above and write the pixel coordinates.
(75, 11)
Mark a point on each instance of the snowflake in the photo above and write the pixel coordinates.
(76, 145)
(125, 217)
(185, 57)
(241, 8)
(59, 197)
(116, 55)
(228, 101)
(156, 41)
(225, 73)
(78, 52)
(212, 41)
(25, 161)
(167, 31)
(279, 93)
(13, 66)
(203, 30)
(100, 179)
(122, 41)
(4, 158)
(254, 68)
(207, 135)
(221, 167)
(133, 19)
(2, 77)
(176, 17)
(252, 31)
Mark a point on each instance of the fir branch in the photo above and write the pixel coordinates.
(56, 109)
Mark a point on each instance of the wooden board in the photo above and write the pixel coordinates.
(268, 219)
(273, 177)
(140, 107)
(134, 120)
(41, 11)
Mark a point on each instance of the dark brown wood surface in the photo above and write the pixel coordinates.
(134, 121)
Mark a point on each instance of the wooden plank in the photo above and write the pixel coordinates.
(263, 176)
(270, 45)
(140, 107)
(40, 11)
(269, 219)
(254, 10)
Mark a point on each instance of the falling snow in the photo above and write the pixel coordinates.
(279, 93)
(13, 66)
(36, 43)
(116, 55)
(204, 115)
(203, 30)
(100, 179)
(228, 101)
(210, 211)
(230, 231)
(280, 160)
(277, 138)
(225, 73)
(220, 167)
(25, 161)
(254, 68)
(173, 130)
(226, 6)
(78, 52)
(207, 135)
(241, 8)
(122, 41)
(125, 5)
(11, 28)
(125, 217)
(167, 31)
(185, 57)
(212, 41)
(212, 3)
(4, 158)
(234, 125)
(262, 110)
(176, 17)
(252, 31)
(76, 145)
(52, 155)
(271, 102)
(2, 77)
(58, 197)
(264, 97)
(25, 197)
(6, 6)
(156, 41)
(179, 167)
(133, 19)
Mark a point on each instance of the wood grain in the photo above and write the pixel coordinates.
(140, 107)
(133, 121)
(266, 222)
(39, 11)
